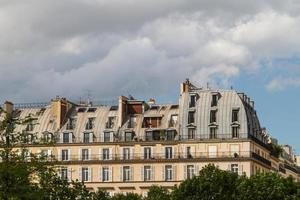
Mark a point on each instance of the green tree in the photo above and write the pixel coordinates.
(212, 183)
(157, 192)
(101, 195)
(128, 196)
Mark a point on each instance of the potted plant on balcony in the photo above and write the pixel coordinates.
(162, 134)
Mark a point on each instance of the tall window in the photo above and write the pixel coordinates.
(64, 173)
(235, 132)
(235, 115)
(190, 171)
(188, 152)
(191, 117)
(71, 123)
(64, 154)
(86, 137)
(213, 133)
(147, 153)
(214, 101)
(213, 116)
(193, 99)
(191, 133)
(110, 123)
(168, 152)
(105, 154)
(107, 136)
(126, 173)
(170, 134)
(85, 154)
(168, 173)
(132, 122)
(84, 174)
(90, 123)
(66, 137)
(147, 173)
(105, 174)
(126, 153)
(234, 168)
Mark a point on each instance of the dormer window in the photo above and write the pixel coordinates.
(132, 122)
(48, 137)
(235, 132)
(92, 110)
(71, 124)
(110, 123)
(214, 101)
(193, 99)
(30, 127)
(173, 120)
(213, 116)
(235, 115)
(90, 123)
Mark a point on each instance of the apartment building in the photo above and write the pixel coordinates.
(134, 144)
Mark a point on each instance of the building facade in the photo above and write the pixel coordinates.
(135, 144)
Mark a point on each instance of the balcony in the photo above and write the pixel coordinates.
(261, 159)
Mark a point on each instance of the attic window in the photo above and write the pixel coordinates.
(80, 110)
(114, 108)
(91, 109)
(153, 107)
(174, 106)
(163, 108)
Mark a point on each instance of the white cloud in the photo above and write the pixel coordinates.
(281, 83)
(139, 47)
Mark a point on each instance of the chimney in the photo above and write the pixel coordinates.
(8, 107)
(151, 102)
(122, 110)
(185, 86)
(59, 109)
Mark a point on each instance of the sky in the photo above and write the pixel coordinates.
(107, 48)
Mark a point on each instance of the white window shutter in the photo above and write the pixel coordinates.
(91, 139)
(163, 152)
(100, 154)
(131, 153)
(121, 173)
(69, 174)
(152, 152)
(196, 170)
(100, 174)
(185, 172)
(240, 169)
(49, 153)
(111, 139)
(59, 154)
(71, 137)
(174, 153)
(80, 174)
(110, 153)
(142, 152)
(193, 151)
(131, 173)
(184, 152)
(79, 154)
(90, 174)
(121, 153)
(152, 173)
(61, 137)
(142, 173)
(110, 173)
(69, 154)
(163, 173)
(174, 178)
(90, 154)
(101, 137)
(229, 167)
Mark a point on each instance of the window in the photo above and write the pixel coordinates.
(173, 120)
(148, 135)
(132, 122)
(147, 153)
(168, 173)
(64, 173)
(71, 124)
(190, 171)
(84, 174)
(191, 133)
(86, 137)
(105, 174)
(193, 99)
(168, 152)
(107, 137)
(147, 173)
(65, 154)
(30, 127)
(126, 173)
(92, 110)
(235, 115)
(126, 153)
(48, 137)
(212, 151)
(85, 154)
(214, 101)
(170, 134)
(90, 123)
(110, 123)
(105, 154)
(213, 133)
(234, 168)
(235, 132)
(191, 117)
(188, 152)
(156, 135)
(213, 116)
(66, 137)
(80, 110)
(128, 136)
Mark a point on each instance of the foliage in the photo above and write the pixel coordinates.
(128, 196)
(276, 150)
(156, 192)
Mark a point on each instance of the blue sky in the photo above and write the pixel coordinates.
(146, 48)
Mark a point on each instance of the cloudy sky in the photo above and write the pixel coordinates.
(147, 47)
